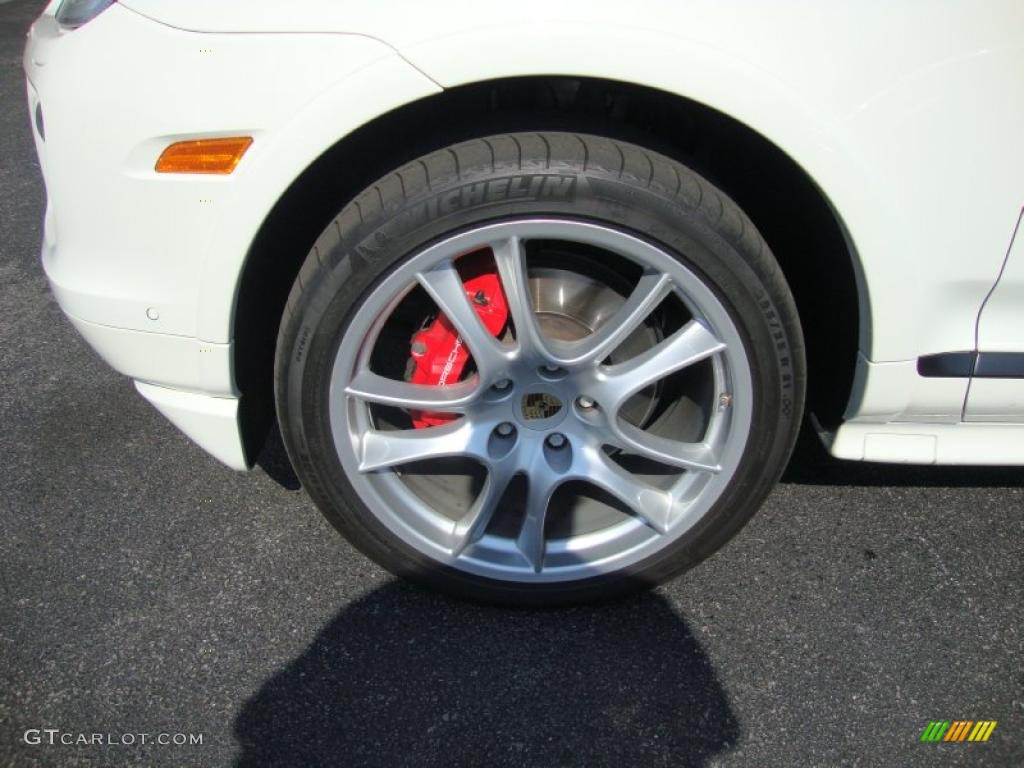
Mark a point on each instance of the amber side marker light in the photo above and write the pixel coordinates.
(204, 155)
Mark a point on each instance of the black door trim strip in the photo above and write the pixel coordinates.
(999, 365)
(963, 365)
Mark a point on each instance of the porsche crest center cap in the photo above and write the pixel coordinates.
(540, 405)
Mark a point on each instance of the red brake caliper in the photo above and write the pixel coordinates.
(438, 353)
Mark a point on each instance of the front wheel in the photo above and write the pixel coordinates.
(540, 368)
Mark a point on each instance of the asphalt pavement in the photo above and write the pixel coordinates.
(147, 590)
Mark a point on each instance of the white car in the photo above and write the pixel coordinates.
(540, 292)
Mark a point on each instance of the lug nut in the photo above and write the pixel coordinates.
(503, 384)
(584, 402)
(505, 429)
(556, 440)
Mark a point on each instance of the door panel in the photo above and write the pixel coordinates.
(997, 389)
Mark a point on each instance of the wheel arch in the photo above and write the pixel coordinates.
(790, 209)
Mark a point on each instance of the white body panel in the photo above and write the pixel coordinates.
(210, 421)
(115, 217)
(908, 116)
(896, 110)
(911, 443)
(1001, 325)
(1001, 329)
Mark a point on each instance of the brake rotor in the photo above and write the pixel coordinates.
(571, 306)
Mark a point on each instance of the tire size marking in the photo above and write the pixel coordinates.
(778, 334)
(300, 344)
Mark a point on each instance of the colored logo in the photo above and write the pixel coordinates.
(540, 405)
(958, 730)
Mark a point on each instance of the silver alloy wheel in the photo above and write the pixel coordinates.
(574, 437)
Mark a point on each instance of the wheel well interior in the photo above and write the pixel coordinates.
(789, 210)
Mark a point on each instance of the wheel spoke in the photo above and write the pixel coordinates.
(650, 291)
(383, 449)
(445, 286)
(699, 457)
(541, 485)
(510, 258)
(650, 504)
(471, 527)
(690, 344)
(373, 388)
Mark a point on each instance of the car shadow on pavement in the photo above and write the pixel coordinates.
(406, 677)
(273, 459)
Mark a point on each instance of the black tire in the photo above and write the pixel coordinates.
(614, 183)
